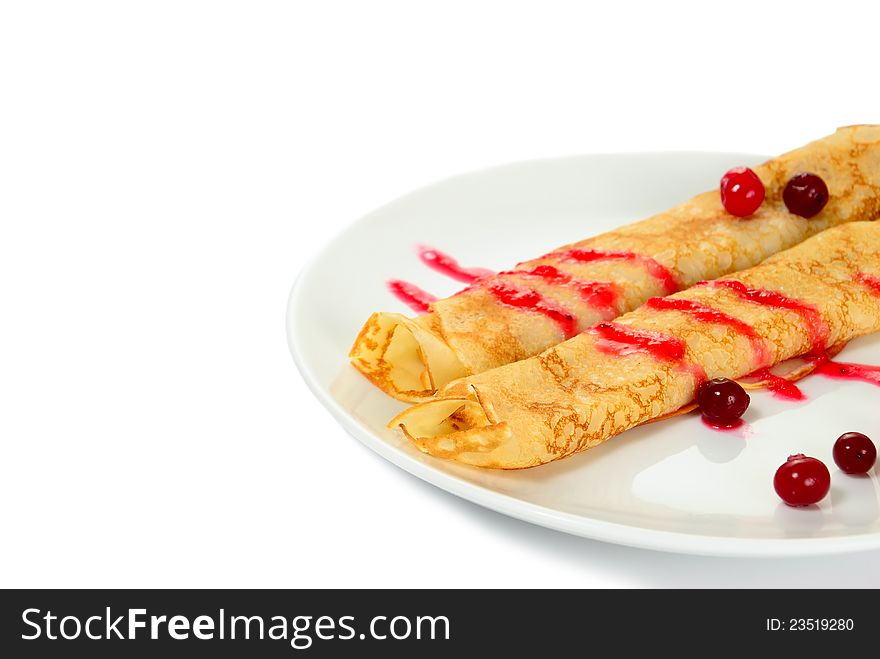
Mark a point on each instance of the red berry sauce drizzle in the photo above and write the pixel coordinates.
(661, 273)
(737, 427)
(602, 296)
(848, 371)
(869, 280)
(779, 386)
(822, 363)
(417, 299)
(707, 314)
(617, 339)
(411, 295)
(526, 298)
(446, 265)
(816, 327)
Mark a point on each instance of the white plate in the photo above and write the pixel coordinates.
(676, 485)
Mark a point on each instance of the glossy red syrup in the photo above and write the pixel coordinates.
(621, 340)
(446, 265)
(527, 298)
(871, 281)
(598, 294)
(782, 388)
(659, 272)
(722, 427)
(696, 372)
(778, 386)
(816, 327)
(849, 371)
(709, 315)
(411, 295)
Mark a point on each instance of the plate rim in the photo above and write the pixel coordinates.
(586, 527)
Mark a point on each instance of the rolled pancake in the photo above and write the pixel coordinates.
(602, 277)
(648, 363)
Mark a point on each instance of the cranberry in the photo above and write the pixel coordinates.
(854, 453)
(802, 481)
(741, 191)
(805, 194)
(722, 401)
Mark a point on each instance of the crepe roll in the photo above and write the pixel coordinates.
(518, 313)
(648, 363)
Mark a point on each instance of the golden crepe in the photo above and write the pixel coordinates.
(648, 363)
(597, 279)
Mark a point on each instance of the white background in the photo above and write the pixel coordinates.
(166, 169)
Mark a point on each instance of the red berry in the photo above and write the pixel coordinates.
(854, 453)
(802, 481)
(741, 191)
(805, 194)
(722, 401)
